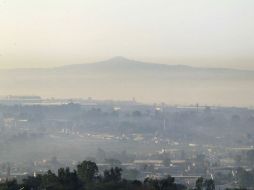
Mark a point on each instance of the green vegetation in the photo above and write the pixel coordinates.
(87, 177)
(207, 184)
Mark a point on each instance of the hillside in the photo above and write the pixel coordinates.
(121, 78)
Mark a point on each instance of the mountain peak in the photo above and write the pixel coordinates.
(119, 59)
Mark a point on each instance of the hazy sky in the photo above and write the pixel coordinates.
(42, 33)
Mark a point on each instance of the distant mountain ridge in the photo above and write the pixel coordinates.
(122, 62)
(122, 79)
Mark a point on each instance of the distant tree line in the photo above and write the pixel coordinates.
(87, 177)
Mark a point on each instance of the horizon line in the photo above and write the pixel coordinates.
(126, 59)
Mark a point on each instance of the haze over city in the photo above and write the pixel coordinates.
(126, 95)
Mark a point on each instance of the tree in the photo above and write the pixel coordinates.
(9, 185)
(113, 175)
(87, 171)
(168, 183)
(199, 183)
(32, 182)
(163, 184)
(209, 184)
(49, 180)
(69, 180)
